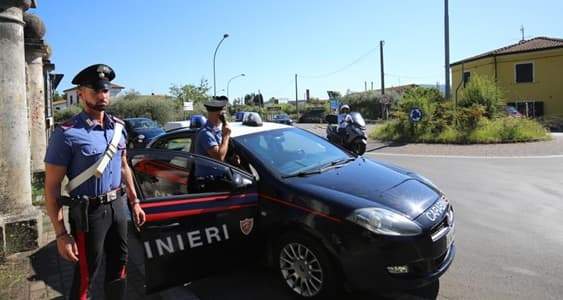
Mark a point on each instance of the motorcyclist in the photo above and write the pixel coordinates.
(344, 119)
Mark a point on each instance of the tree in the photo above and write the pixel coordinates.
(191, 92)
(57, 96)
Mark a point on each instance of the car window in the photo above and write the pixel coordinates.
(287, 151)
(176, 143)
(142, 123)
(165, 174)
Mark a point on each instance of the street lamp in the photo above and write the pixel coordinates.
(229, 82)
(214, 55)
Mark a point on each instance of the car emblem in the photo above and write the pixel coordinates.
(246, 226)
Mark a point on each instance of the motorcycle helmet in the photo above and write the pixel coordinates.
(343, 107)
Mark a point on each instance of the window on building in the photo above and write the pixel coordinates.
(524, 73)
(466, 77)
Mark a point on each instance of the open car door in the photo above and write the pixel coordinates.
(200, 213)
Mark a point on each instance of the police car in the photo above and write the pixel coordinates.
(321, 216)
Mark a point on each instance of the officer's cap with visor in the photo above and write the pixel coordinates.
(217, 103)
(96, 77)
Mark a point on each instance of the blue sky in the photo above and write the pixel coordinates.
(152, 46)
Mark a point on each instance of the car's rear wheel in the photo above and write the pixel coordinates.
(305, 267)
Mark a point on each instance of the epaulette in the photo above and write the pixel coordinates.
(118, 120)
(68, 124)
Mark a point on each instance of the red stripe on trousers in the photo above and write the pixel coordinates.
(83, 265)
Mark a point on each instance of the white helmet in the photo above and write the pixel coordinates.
(345, 106)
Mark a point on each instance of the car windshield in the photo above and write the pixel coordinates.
(290, 151)
(281, 117)
(142, 123)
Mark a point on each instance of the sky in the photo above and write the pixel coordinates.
(331, 45)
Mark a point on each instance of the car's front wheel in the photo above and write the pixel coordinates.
(305, 267)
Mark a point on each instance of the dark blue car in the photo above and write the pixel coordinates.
(317, 214)
(140, 131)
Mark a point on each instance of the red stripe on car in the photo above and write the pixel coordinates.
(192, 212)
(318, 213)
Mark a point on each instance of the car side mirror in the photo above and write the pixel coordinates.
(331, 119)
(240, 182)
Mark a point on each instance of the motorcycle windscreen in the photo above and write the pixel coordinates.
(358, 119)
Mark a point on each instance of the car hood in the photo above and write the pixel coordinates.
(365, 183)
(149, 133)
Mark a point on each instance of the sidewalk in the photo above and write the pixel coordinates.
(49, 276)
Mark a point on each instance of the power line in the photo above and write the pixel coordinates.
(357, 60)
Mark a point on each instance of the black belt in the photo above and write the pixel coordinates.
(105, 198)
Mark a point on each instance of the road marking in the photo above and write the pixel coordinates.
(463, 156)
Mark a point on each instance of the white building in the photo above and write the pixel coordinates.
(71, 95)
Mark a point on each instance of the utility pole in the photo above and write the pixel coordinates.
(365, 86)
(381, 43)
(447, 46)
(296, 98)
(372, 85)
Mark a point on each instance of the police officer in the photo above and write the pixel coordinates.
(75, 146)
(212, 140)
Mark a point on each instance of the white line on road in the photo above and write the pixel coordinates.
(463, 156)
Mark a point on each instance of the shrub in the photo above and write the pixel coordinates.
(476, 120)
(483, 91)
(159, 108)
(65, 114)
(507, 129)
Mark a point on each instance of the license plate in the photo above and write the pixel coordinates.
(450, 236)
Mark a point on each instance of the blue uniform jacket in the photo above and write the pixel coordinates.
(79, 143)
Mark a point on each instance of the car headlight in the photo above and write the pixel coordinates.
(385, 222)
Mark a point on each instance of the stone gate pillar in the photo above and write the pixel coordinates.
(35, 50)
(20, 224)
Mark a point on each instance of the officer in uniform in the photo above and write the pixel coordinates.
(212, 140)
(98, 212)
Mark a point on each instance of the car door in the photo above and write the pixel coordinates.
(200, 216)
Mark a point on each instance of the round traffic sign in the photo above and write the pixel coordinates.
(415, 114)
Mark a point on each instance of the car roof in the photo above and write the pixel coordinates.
(237, 129)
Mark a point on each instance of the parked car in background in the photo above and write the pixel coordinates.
(282, 119)
(140, 131)
(511, 111)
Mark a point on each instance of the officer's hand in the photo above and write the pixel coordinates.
(226, 129)
(67, 248)
(138, 215)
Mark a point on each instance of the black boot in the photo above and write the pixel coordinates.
(116, 290)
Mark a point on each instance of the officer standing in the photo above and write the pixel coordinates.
(212, 140)
(90, 150)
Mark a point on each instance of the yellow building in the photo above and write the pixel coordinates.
(529, 72)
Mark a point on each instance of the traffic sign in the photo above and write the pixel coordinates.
(415, 114)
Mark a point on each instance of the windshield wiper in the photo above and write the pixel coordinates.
(332, 164)
(303, 173)
(337, 163)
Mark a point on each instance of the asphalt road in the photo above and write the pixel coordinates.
(509, 235)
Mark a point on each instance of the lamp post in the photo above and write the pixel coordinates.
(229, 82)
(214, 55)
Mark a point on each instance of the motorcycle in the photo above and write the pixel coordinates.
(353, 137)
